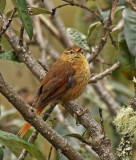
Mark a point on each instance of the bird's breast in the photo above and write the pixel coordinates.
(81, 77)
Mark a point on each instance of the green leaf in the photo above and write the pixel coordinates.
(24, 16)
(6, 46)
(36, 11)
(130, 29)
(77, 136)
(11, 55)
(105, 14)
(1, 153)
(78, 38)
(92, 28)
(16, 144)
(122, 89)
(94, 36)
(74, 135)
(126, 59)
(33, 11)
(87, 137)
(2, 5)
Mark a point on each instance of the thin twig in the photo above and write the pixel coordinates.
(49, 156)
(103, 62)
(65, 40)
(44, 44)
(60, 6)
(9, 22)
(135, 85)
(96, 14)
(52, 121)
(21, 36)
(52, 51)
(34, 135)
(108, 71)
(119, 26)
(102, 21)
(103, 149)
(114, 43)
(101, 146)
(63, 121)
(133, 5)
(50, 26)
(43, 65)
(31, 140)
(98, 6)
(41, 41)
(106, 97)
(23, 52)
(1, 50)
(37, 122)
(101, 120)
(72, 3)
(107, 30)
(133, 101)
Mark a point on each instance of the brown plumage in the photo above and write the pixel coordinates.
(64, 82)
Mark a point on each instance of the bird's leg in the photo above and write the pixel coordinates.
(75, 110)
(80, 113)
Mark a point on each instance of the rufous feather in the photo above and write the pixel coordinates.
(27, 125)
(65, 81)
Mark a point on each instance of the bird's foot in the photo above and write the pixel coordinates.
(80, 113)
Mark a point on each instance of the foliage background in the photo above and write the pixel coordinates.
(18, 76)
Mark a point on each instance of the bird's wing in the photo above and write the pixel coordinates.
(56, 82)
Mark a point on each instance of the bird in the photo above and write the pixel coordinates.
(65, 81)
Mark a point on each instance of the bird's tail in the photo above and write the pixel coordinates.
(27, 125)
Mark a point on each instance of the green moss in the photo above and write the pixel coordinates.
(124, 150)
(125, 122)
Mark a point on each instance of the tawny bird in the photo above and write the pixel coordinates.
(65, 81)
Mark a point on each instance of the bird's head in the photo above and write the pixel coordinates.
(73, 55)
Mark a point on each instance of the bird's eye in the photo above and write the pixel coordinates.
(71, 52)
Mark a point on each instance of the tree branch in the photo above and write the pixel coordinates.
(100, 144)
(107, 30)
(133, 5)
(5, 27)
(59, 25)
(53, 30)
(112, 105)
(71, 129)
(108, 71)
(21, 35)
(40, 40)
(60, 6)
(37, 122)
(34, 135)
(38, 71)
(83, 7)
(22, 52)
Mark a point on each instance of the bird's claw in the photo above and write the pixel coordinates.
(80, 113)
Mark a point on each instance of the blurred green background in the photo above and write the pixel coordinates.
(23, 81)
